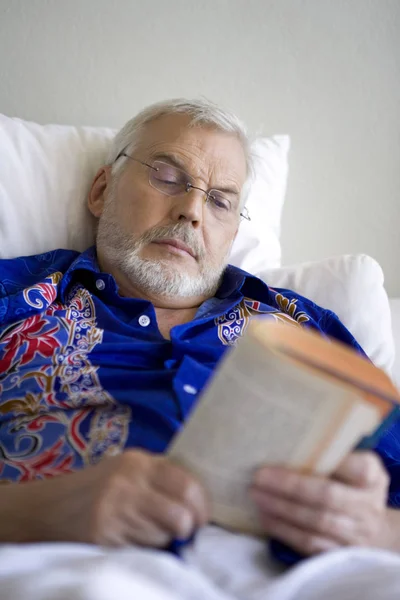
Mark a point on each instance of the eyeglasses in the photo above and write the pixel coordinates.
(172, 181)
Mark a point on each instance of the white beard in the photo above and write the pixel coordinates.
(154, 276)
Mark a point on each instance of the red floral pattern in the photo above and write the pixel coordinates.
(28, 338)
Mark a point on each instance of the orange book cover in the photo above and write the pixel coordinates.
(335, 360)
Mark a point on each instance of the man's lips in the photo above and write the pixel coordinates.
(176, 244)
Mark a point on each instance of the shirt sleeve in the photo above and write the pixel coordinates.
(19, 274)
(334, 328)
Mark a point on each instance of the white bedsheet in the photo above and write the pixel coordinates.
(219, 566)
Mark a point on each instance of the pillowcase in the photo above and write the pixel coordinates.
(46, 172)
(351, 286)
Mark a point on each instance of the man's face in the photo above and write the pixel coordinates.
(140, 227)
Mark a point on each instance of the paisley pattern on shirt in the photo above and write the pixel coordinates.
(232, 325)
(289, 307)
(43, 294)
(59, 416)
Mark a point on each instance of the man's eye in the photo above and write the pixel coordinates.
(169, 177)
(169, 180)
(166, 176)
(219, 202)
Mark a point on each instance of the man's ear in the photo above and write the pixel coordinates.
(98, 190)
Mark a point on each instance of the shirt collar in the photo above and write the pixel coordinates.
(86, 261)
(236, 280)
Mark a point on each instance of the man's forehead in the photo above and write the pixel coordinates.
(205, 145)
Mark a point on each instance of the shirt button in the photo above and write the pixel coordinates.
(100, 284)
(144, 320)
(189, 389)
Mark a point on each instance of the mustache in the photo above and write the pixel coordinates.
(179, 231)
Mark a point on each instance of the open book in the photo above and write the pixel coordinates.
(283, 395)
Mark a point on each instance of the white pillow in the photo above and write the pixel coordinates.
(257, 245)
(351, 286)
(46, 171)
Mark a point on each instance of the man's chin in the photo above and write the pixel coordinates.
(170, 262)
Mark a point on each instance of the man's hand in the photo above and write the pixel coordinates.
(133, 498)
(312, 514)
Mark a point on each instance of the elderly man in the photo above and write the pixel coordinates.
(104, 353)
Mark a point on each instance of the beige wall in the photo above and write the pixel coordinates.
(325, 71)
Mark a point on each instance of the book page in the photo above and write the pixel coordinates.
(259, 409)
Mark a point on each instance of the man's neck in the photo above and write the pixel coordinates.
(168, 318)
(170, 310)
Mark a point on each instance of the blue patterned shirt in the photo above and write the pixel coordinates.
(85, 372)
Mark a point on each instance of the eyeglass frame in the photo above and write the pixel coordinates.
(189, 186)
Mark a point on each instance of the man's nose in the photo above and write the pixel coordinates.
(189, 207)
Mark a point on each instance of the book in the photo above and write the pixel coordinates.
(283, 395)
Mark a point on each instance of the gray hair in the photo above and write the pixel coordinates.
(202, 112)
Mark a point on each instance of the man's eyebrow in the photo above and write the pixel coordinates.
(176, 161)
